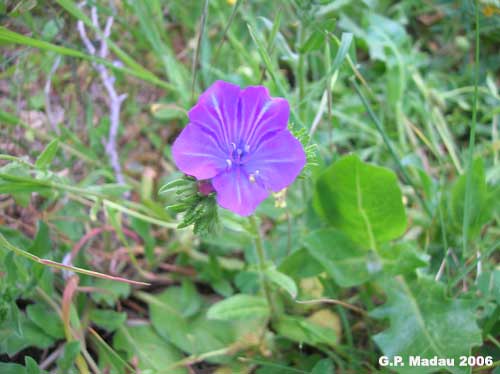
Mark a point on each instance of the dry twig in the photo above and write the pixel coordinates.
(108, 81)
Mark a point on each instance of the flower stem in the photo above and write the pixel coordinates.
(261, 258)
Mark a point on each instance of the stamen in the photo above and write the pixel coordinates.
(247, 148)
(229, 163)
(252, 177)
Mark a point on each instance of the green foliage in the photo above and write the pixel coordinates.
(176, 315)
(387, 243)
(302, 330)
(485, 201)
(362, 200)
(434, 325)
(154, 353)
(199, 210)
(239, 307)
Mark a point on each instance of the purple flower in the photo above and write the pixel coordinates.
(239, 139)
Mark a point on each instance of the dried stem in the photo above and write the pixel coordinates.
(108, 81)
(48, 87)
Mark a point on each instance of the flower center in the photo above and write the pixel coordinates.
(237, 154)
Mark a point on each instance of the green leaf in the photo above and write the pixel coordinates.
(239, 307)
(107, 319)
(11, 342)
(350, 265)
(489, 285)
(324, 366)
(31, 366)
(302, 330)
(480, 211)
(6, 368)
(401, 258)
(362, 200)
(42, 243)
(43, 161)
(167, 112)
(345, 44)
(46, 319)
(300, 264)
(314, 42)
(345, 261)
(283, 281)
(66, 360)
(152, 352)
(112, 291)
(194, 334)
(424, 322)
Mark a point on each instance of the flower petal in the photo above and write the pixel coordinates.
(277, 160)
(260, 114)
(197, 153)
(237, 193)
(216, 110)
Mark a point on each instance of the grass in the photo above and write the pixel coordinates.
(408, 86)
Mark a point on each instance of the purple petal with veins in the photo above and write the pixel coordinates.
(240, 141)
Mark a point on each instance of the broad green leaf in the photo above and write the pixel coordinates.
(302, 330)
(194, 334)
(107, 319)
(46, 319)
(6, 368)
(300, 264)
(344, 260)
(239, 307)
(11, 342)
(43, 161)
(350, 265)
(362, 200)
(152, 352)
(112, 291)
(424, 322)
(283, 281)
(324, 366)
(401, 258)
(31, 366)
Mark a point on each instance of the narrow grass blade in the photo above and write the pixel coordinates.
(203, 22)
(8, 36)
(472, 138)
(391, 148)
(20, 252)
(264, 55)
